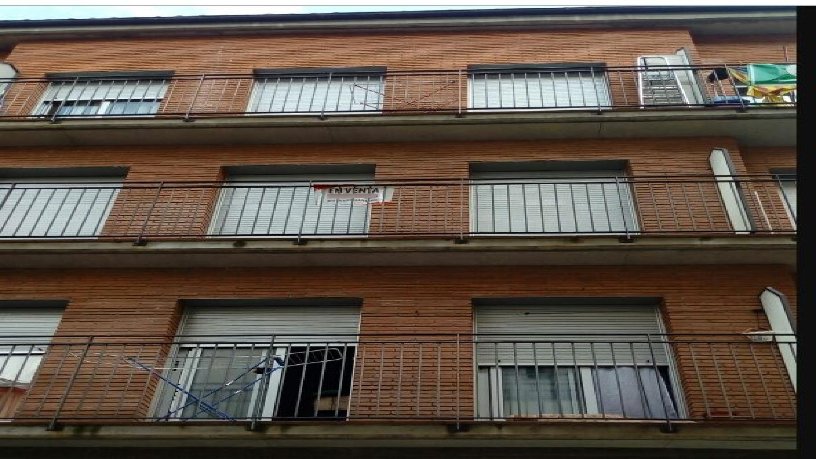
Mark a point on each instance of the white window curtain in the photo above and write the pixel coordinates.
(64, 207)
(568, 88)
(89, 97)
(317, 93)
(281, 205)
(555, 202)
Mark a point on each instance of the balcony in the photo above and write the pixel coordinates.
(367, 105)
(455, 218)
(485, 384)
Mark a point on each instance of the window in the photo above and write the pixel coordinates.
(55, 206)
(350, 90)
(7, 73)
(668, 80)
(26, 328)
(99, 95)
(509, 87)
(787, 190)
(291, 203)
(551, 197)
(573, 358)
(303, 374)
(781, 319)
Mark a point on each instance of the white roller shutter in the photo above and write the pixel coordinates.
(287, 205)
(551, 202)
(50, 206)
(300, 324)
(580, 323)
(24, 335)
(312, 93)
(570, 88)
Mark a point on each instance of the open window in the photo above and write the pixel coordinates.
(274, 358)
(320, 90)
(538, 86)
(786, 178)
(96, 94)
(668, 80)
(573, 358)
(551, 197)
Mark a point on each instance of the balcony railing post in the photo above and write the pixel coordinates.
(266, 376)
(53, 425)
(326, 97)
(666, 403)
(627, 236)
(459, 97)
(195, 97)
(7, 195)
(299, 240)
(458, 381)
(140, 238)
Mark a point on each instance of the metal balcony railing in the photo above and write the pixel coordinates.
(601, 206)
(371, 93)
(440, 377)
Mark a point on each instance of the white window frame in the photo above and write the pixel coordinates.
(779, 317)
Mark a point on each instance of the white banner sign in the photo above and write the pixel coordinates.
(358, 194)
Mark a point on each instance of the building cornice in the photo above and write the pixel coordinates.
(700, 20)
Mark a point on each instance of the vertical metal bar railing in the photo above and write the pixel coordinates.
(53, 424)
(140, 238)
(188, 113)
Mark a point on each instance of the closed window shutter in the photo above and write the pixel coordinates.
(547, 89)
(287, 205)
(24, 335)
(84, 97)
(303, 94)
(64, 207)
(290, 324)
(551, 202)
(526, 324)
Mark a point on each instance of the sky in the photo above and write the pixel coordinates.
(78, 9)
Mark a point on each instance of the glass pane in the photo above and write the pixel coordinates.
(527, 394)
(641, 394)
(223, 383)
(310, 94)
(546, 89)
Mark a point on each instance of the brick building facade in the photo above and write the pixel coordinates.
(581, 236)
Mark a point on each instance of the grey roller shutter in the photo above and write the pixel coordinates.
(287, 205)
(556, 327)
(551, 202)
(300, 324)
(65, 206)
(31, 322)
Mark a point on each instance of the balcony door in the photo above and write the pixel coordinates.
(238, 362)
(575, 359)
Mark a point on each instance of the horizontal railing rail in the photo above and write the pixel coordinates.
(612, 205)
(370, 93)
(431, 377)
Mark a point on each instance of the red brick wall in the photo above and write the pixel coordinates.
(404, 301)
(451, 50)
(724, 49)
(696, 207)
